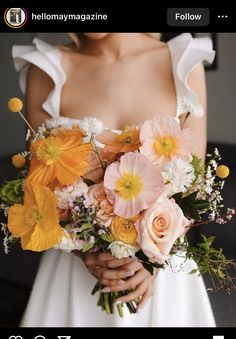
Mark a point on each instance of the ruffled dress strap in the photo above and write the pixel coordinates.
(48, 59)
(186, 54)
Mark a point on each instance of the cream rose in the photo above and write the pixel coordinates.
(121, 250)
(159, 227)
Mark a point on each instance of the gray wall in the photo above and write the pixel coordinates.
(221, 90)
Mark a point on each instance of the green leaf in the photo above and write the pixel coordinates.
(88, 182)
(148, 267)
(220, 274)
(96, 288)
(186, 210)
(87, 247)
(210, 240)
(12, 196)
(18, 188)
(106, 237)
(156, 265)
(194, 213)
(85, 226)
(5, 190)
(191, 197)
(197, 165)
(178, 197)
(141, 256)
(201, 204)
(194, 271)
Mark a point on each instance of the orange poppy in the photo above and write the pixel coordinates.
(126, 141)
(36, 222)
(60, 158)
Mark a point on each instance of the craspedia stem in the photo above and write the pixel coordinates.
(28, 124)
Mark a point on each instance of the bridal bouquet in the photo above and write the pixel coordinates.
(153, 190)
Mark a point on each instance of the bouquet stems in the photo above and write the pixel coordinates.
(107, 300)
(106, 303)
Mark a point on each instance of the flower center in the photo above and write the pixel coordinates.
(33, 216)
(124, 229)
(50, 150)
(166, 145)
(160, 224)
(127, 139)
(129, 185)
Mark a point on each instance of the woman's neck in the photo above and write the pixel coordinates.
(118, 45)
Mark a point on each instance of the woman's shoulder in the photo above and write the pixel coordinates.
(40, 62)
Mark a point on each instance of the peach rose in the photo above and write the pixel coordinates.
(99, 199)
(159, 228)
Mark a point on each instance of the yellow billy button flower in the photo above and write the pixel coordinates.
(18, 160)
(15, 105)
(123, 229)
(222, 171)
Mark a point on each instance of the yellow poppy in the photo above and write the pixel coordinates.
(36, 222)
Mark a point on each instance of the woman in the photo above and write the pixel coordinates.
(119, 78)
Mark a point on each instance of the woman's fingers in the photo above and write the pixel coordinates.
(105, 256)
(137, 293)
(91, 260)
(131, 283)
(108, 284)
(134, 266)
(104, 259)
(104, 273)
(115, 263)
(144, 299)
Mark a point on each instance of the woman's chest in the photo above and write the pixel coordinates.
(119, 94)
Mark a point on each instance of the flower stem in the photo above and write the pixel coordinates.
(27, 123)
(106, 303)
(119, 306)
(120, 310)
(98, 155)
(186, 117)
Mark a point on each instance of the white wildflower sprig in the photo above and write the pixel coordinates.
(91, 127)
(61, 122)
(191, 106)
(207, 184)
(8, 239)
(67, 195)
(4, 207)
(178, 175)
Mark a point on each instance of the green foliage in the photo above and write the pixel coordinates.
(106, 237)
(197, 165)
(88, 181)
(209, 261)
(87, 246)
(190, 206)
(149, 266)
(12, 192)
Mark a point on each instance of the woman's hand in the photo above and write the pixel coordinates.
(113, 273)
(109, 270)
(140, 284)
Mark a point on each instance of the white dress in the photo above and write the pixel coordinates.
(61, 295)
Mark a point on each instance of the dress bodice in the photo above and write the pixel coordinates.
(186, 53)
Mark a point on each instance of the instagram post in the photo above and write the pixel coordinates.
(118, 170)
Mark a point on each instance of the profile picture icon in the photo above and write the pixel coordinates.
(15, 17)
